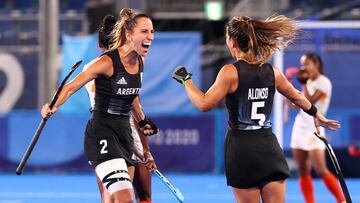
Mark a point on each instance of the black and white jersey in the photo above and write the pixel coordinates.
(250, 105)
(115, 95)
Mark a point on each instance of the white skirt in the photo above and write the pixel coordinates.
(303, 137)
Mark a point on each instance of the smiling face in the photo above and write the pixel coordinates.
(141, 36)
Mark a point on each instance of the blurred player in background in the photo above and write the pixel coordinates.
(142, 176)
(307, 149)
(255, 165)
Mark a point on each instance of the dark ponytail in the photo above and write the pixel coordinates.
(104, 30)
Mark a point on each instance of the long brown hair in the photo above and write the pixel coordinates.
(259, 39)
(127, 22)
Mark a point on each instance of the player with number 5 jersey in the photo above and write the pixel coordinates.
(255, 165)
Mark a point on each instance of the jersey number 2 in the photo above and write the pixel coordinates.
(103, 149)
(255, 115)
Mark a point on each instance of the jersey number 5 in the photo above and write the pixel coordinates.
(255, 115)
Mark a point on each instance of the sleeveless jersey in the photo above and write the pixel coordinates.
(249, 107)
(115, 95)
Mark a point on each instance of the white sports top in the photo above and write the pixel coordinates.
(323, 84)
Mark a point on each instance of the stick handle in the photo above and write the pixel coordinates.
(41, 126)
(30, 148)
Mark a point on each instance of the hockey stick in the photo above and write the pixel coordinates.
(163, 179)
(41, 126)
(174, 190)
(337, 167)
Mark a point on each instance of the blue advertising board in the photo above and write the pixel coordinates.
(185, 143)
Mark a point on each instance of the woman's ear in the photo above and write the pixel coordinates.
(128, 36)
(233, 43)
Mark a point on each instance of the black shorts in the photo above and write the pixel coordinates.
(107, 137)
(253, 158)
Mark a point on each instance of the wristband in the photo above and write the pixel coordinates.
(148, 121)
(183, 81)
(312, 111)
(142, 123)
(188, 77)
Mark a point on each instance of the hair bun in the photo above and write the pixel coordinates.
(109, 21)
(127, 13)
(107, 24)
